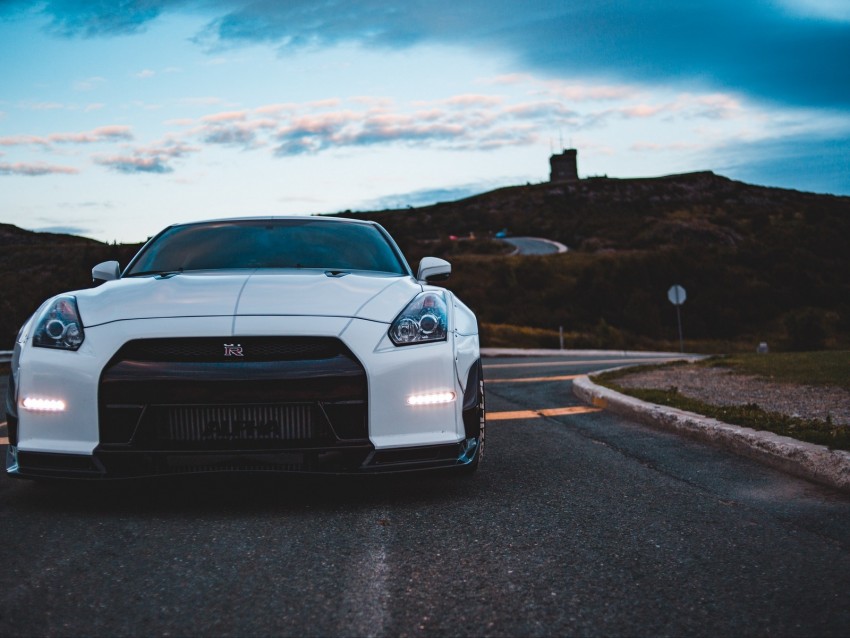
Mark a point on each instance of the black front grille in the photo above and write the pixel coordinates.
(282, 393)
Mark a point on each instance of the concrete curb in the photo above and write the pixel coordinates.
(543, 352)
(814, 462)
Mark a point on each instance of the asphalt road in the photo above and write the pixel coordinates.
(535, 246)
(577, 523)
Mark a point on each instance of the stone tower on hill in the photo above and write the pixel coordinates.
(564, 167)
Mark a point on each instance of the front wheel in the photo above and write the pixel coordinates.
(472, 466)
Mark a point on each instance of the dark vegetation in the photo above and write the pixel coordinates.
(758, 264)
(35, 266)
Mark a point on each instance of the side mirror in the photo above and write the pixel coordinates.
(433, 269)
(106, 271)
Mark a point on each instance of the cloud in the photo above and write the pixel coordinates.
(810, 162)
(451, 130)
(88, 84)
(653, 147)
(590, 92)
(714, 106)
(745, 46)
(64, 230)
(541, 110)
(227, 116)
(477, 122)
(207, 100)
(752, 47)
(35, 169)
(101, 134)
(232, 129)
(89, 19)
(426, 197)
(471, 100)
(144, 74)
(134, 164)
(155, 158)
(230, 136)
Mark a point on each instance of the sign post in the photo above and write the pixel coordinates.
(677, 297)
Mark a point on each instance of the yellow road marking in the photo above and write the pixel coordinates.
(573, 363)
(566, 377)
(536, 414)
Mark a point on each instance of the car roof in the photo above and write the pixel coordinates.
(259, 218)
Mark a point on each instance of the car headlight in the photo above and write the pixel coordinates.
(59, 325)
(423, 321)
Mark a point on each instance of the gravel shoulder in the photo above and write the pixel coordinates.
(723, 387)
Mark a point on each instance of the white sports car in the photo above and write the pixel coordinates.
(293, 344)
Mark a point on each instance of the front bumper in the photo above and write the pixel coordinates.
(332, 461)
(114, 425)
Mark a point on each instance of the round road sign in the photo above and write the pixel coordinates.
(676, 295)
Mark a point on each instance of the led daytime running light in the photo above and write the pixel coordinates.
(35, 404)
(432, 398)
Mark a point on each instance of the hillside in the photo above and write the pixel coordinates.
(759, 264)
(35, 266)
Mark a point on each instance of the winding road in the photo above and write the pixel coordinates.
(535, 246)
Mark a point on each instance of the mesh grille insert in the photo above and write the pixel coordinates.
(239, 423)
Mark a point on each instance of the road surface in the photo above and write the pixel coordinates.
(578, 522)
(535, 246)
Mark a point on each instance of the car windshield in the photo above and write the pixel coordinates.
(272, 243)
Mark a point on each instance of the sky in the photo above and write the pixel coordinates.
(120, 117)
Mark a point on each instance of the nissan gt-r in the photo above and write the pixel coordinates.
(273, 344)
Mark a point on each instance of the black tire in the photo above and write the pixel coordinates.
(471, 467)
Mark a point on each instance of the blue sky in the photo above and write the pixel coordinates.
(119, 117)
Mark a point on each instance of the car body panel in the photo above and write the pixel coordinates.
(195, 295)
(317, 294)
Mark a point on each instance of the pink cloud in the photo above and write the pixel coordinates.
(101, 134)
(276, 109)
(474, 100)
(36, 169)
(23, 140)
(642, 111)
(589, 92)
(226, 116)
(154, 158)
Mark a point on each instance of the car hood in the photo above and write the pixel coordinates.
(372, 296)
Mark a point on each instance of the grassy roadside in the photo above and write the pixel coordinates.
(811, 368)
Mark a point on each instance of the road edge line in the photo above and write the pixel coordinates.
(807, 460)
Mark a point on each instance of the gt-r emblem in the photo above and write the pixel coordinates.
(233, 350)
